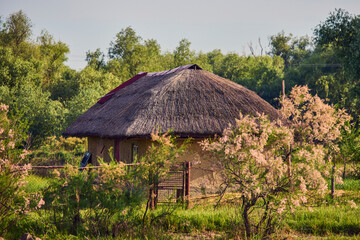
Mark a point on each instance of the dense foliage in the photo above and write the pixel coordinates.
(36, 83)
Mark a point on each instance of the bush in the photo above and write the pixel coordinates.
(14, 201)
(59, 151)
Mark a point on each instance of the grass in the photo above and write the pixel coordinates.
(349, 184)
(335, 219)
(326, 220)
(36, 183)
(200, 218)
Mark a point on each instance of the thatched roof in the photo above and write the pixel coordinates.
(187, 100)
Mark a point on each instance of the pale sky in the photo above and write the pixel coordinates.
(229, 25)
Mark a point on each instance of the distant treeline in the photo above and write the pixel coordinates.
(41, 90)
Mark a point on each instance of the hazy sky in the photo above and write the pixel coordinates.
(229, 25)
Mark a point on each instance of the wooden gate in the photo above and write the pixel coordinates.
(176, 186)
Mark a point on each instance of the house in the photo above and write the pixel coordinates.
(187, 100)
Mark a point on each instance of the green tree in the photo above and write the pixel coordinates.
(292, 49)
(215, 59)
(66, 87)
(182, 53)
(53, 56)
(16, 30)
(340, 36)
(95, 59)
(262, 74)
(132, 55)
(46, 117)
(128, 51)
(15, 71)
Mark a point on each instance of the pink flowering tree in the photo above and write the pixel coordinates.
(316, 125)
(275, 166)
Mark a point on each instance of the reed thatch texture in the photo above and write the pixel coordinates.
(188, 100)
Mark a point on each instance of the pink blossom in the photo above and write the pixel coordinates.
(352, 204)
(11, 134)
(4, 107)
(280, 210)
(295, 202)
(41, 203)
(263, 156)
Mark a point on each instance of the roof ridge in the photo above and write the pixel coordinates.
(142, 74)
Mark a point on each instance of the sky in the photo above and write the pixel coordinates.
(229, 25)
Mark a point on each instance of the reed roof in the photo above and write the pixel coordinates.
(187, 100)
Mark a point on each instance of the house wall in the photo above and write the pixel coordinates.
(126, 146)
(205, 176)
(99, 148)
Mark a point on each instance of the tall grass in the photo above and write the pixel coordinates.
(203, 219)
(326, 220)
(349, 184)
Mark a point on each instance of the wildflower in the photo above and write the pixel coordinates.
(295, 202)
(352, 204)
(280, 210)
(40, 204)
(4, 107)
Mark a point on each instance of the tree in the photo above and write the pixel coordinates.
(95, 59)
(128, 50)
(262, 74)
(53, 56)
(46, 117)
(215, 59)
(131, 55)
(182, 53)
(17, 30)
(274, 166)
(292, 49)
(340, 35)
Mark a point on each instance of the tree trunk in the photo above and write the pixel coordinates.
(333, 180)
(76, 220)
(289, 171)
(246, 221)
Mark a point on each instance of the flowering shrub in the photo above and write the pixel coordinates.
(275, 166)
(97, 197)
(14, 201)
(90, 197)
(312, 120)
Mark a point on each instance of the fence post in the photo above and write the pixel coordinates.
(187, 183)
